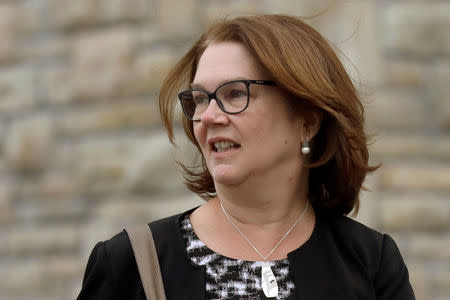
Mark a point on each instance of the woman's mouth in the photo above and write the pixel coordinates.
(224, 146)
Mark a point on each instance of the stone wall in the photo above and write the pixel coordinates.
(83, 153)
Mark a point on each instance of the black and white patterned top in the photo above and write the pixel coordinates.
(228, 278)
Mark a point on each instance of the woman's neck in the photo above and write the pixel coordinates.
(265, 201)
(264, 210)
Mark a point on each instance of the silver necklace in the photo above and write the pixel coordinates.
(268, 281)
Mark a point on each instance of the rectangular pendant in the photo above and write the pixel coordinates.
(268, 282)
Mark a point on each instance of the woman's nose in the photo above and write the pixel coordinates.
(213, 114)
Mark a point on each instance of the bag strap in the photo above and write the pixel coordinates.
(147, 261)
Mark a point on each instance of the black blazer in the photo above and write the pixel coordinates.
(343, 259)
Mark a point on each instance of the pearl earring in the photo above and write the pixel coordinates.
(305, 147)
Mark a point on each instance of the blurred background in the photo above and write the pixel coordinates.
(83, 152)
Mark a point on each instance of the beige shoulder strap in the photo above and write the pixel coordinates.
(147, 261)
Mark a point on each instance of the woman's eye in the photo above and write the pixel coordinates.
(238, 93)
(200, 99)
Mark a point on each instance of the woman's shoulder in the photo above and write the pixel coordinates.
(360, 240)
(119, 246)
(168, 223)
(112, 271)
(118, 249)
(377, 253)
(370, 247)
(353, 230)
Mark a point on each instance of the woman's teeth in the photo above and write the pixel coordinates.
(223, 146)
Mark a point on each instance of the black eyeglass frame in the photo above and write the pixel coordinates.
(214, 96)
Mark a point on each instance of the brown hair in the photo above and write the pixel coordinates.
(303, 64)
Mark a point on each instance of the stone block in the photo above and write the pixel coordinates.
(8, 17)
(396, 110)
(439, 295)
(51, 197)
(369, 203)
(51, 212)
(36, 17)
(95, 230)
(415, 177)
(216, 10)
(152, 167)
(43, 278)
(118, 116)
(2, 135)
(94, 49)
(19, 278)
(411, 146)
(440, 88)
(360, 44)
(419, 278)
(445, 116)
(100, 176)
(140, 165)
(75, 14)
(54, 186)
(50, 47)
(406, 74)
(441, 280)
(414, 212)
(148, 35)
(174, 20)
(124, 10)
(173, 204)
(430, 246)
(86, 13)
(7, 210)
(350, 26)
(29, 144)
(27, 240)
(149, 70)
(57, 85)
(64, 266)
(16, 90)
(44, 16)
(417, 28)
(292, 7)
(129, 210)
(118, 147)
(102, 59)
(100, 164)
(124, 210)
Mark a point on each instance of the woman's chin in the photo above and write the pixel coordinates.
(225, 175)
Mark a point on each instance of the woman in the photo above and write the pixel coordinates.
(279, 127)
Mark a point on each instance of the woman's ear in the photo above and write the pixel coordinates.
(312, 120)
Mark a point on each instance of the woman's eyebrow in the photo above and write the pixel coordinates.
(194, 85)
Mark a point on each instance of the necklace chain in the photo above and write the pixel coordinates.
(251, 244)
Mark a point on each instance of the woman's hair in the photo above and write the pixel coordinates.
(305, 66)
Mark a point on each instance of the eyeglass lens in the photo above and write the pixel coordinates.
(233, 98)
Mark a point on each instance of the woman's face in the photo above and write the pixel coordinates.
(263, 138)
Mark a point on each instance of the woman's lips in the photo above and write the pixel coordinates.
(221, 144)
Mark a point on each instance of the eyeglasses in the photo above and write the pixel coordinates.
(232, 97)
